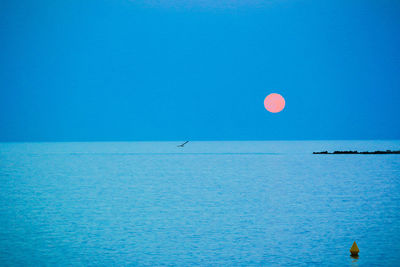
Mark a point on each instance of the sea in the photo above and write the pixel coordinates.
(219, 203)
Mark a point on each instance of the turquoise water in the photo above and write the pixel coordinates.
(207, 204)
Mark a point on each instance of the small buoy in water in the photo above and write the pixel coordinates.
(354, 249)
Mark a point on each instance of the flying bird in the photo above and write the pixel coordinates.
(182, 145)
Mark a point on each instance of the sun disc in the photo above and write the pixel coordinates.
(274, 103)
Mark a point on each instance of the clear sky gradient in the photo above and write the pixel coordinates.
(115, 70)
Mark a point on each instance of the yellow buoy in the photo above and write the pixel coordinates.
(354, 249)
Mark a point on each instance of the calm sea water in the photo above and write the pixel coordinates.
(207, 204)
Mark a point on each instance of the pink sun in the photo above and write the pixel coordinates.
(274, 103)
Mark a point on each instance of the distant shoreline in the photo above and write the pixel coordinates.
(356, 152)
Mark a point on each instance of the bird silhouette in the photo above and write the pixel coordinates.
(182, 145)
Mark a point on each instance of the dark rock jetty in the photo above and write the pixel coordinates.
(356, 152)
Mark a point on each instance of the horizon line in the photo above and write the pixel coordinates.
(202, 140)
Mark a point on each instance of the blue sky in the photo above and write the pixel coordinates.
(198, 70)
